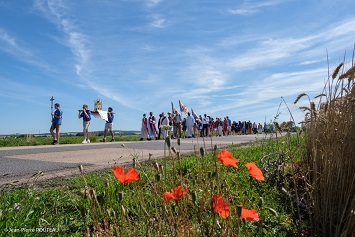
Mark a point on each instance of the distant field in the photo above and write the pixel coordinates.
(46, 139)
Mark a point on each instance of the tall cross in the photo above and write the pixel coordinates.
(52, 99)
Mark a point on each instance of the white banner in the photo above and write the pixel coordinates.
(100, 114)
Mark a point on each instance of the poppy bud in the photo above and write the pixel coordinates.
(107, 184)
(92, 193)
(193, 196)
(173, 149)
(202, 151)
(85, 193)
(156, 166)
(101, 199)
(81, 168)
(178, 141)
(134, 163)
(123, 210)
(261, 201)
(157, 177)
(239, 211)
(168, 141)
(120, 196)
(209, 174)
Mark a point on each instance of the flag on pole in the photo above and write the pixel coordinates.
(183, 108)
(173, 108)
(194, 115)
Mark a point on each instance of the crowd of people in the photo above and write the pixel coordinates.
(173, 125)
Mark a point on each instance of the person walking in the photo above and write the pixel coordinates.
(220, 127)
(183, 126)
(205, 125)
(177, 124)
(56, 123)
(86, 115)
(190, 125)
(109, 125)
(164, 121)
(229, 127)
(152, 130)
(159, 129)
(225, 126)
(260, 128)
(144, 128)
(255, 128)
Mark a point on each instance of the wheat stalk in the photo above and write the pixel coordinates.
(319, 96)
(348, 74)
(299, 97)
(336, 71)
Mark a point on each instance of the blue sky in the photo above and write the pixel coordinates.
(219, 57)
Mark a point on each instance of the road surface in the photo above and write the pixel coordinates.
(21, 164)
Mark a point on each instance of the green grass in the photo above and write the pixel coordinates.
(91, 203)
(35, 141)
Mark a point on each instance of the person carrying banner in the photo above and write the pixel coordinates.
(109, 125)
(56, 122)
(86, 115)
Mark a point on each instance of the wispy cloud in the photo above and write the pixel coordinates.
(158, 21)
(78, 42)
(153, 3)
(9, 45)
(249, 7)
(212, 77)
(273, 87)
(7, 38)
(308, 62)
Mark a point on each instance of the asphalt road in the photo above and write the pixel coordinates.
(39, 163)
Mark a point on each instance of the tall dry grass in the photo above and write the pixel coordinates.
(330, 135)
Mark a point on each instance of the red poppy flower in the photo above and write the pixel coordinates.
(131, 175)
(250, 215)
(220, 206)
(176, 193)
(226, 158)
(254, 171)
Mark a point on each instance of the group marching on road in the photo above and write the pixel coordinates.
(174, 126)
(171, 125)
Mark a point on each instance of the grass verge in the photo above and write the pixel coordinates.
(97, 204)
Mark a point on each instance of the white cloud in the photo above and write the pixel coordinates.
(18, 51)
(153, 3)
(158, 21)
(7, 38)
(249, 7)
(308, 62)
